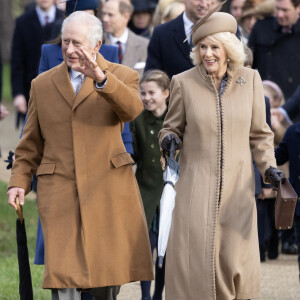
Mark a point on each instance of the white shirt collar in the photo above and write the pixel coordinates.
(41, 14)
(188, 24)
(123, 38)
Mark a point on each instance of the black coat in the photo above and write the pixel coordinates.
(26, 51)
(166, 50)
(276, 55)
(292, 104)
(0, 76)
(289, 150)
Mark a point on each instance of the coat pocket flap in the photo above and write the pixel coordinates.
(121, 160)
(45, 168)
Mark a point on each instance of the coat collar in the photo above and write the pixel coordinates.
(151, 119)
(62, 82)
(179, 37)
(297, 127)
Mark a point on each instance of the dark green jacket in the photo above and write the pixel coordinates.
(149, 174)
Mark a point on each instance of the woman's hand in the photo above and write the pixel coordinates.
(273, 176)
(166, 142)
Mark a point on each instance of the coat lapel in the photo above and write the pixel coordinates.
(131, 47)
(179, 37)
(62, 82)
(88, 85)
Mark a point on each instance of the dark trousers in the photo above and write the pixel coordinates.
(159, 274)
(267, 233)
(105, 293)
(297, 237)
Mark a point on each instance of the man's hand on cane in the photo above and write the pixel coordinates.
(12, 194)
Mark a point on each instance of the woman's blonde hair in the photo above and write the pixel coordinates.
(233, 47)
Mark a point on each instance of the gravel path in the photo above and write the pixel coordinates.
(280, 278)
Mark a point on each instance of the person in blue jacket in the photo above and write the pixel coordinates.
(289, 150)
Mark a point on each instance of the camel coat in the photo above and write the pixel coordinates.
(213, 247)
(89, 204)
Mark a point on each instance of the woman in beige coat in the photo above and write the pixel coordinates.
(217, 116)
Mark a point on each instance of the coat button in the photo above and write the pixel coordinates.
(152, 131)
(299, 177)
(153, 160)
(152, 146)
(290, 79)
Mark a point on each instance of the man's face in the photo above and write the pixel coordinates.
(44, 4)
(75, 37)
(286, 13)
(113, 21)
(196, 9)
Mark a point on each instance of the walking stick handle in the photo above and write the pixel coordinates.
(19, 210)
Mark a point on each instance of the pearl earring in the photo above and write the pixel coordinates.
(228, 59)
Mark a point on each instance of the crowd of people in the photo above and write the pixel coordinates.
(100, 86)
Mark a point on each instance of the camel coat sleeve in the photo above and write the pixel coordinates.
(261, 137)
(125, 107)
(175, 119)
(33, 147)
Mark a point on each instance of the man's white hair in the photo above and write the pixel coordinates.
(94, 32)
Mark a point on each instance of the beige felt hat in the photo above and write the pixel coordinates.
(213, 23)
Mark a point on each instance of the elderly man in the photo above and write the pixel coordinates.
(166, 50)
(90, 208)
(132, 47)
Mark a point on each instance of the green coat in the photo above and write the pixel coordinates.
(149, 174)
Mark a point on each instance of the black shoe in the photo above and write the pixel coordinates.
(273, 253)
(262, 253)
(289, 249)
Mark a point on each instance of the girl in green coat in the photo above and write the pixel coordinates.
(154, 90)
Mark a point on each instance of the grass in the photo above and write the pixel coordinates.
(9, 273)
(6, 86)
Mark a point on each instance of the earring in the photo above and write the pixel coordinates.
(228, 59)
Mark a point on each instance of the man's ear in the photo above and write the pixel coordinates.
(127, 16)
(98, 46)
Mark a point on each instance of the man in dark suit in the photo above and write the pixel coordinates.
(32, 29)
(275, 43)
(132, 47)
(166, 50)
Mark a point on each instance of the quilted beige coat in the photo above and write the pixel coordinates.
(88, 201)
(213, 247)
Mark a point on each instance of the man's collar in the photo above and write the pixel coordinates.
(123, 38)
(50, 13)
(295, 27)
(188, 24)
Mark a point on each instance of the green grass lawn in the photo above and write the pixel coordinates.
(9, 273)
(6, 86)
